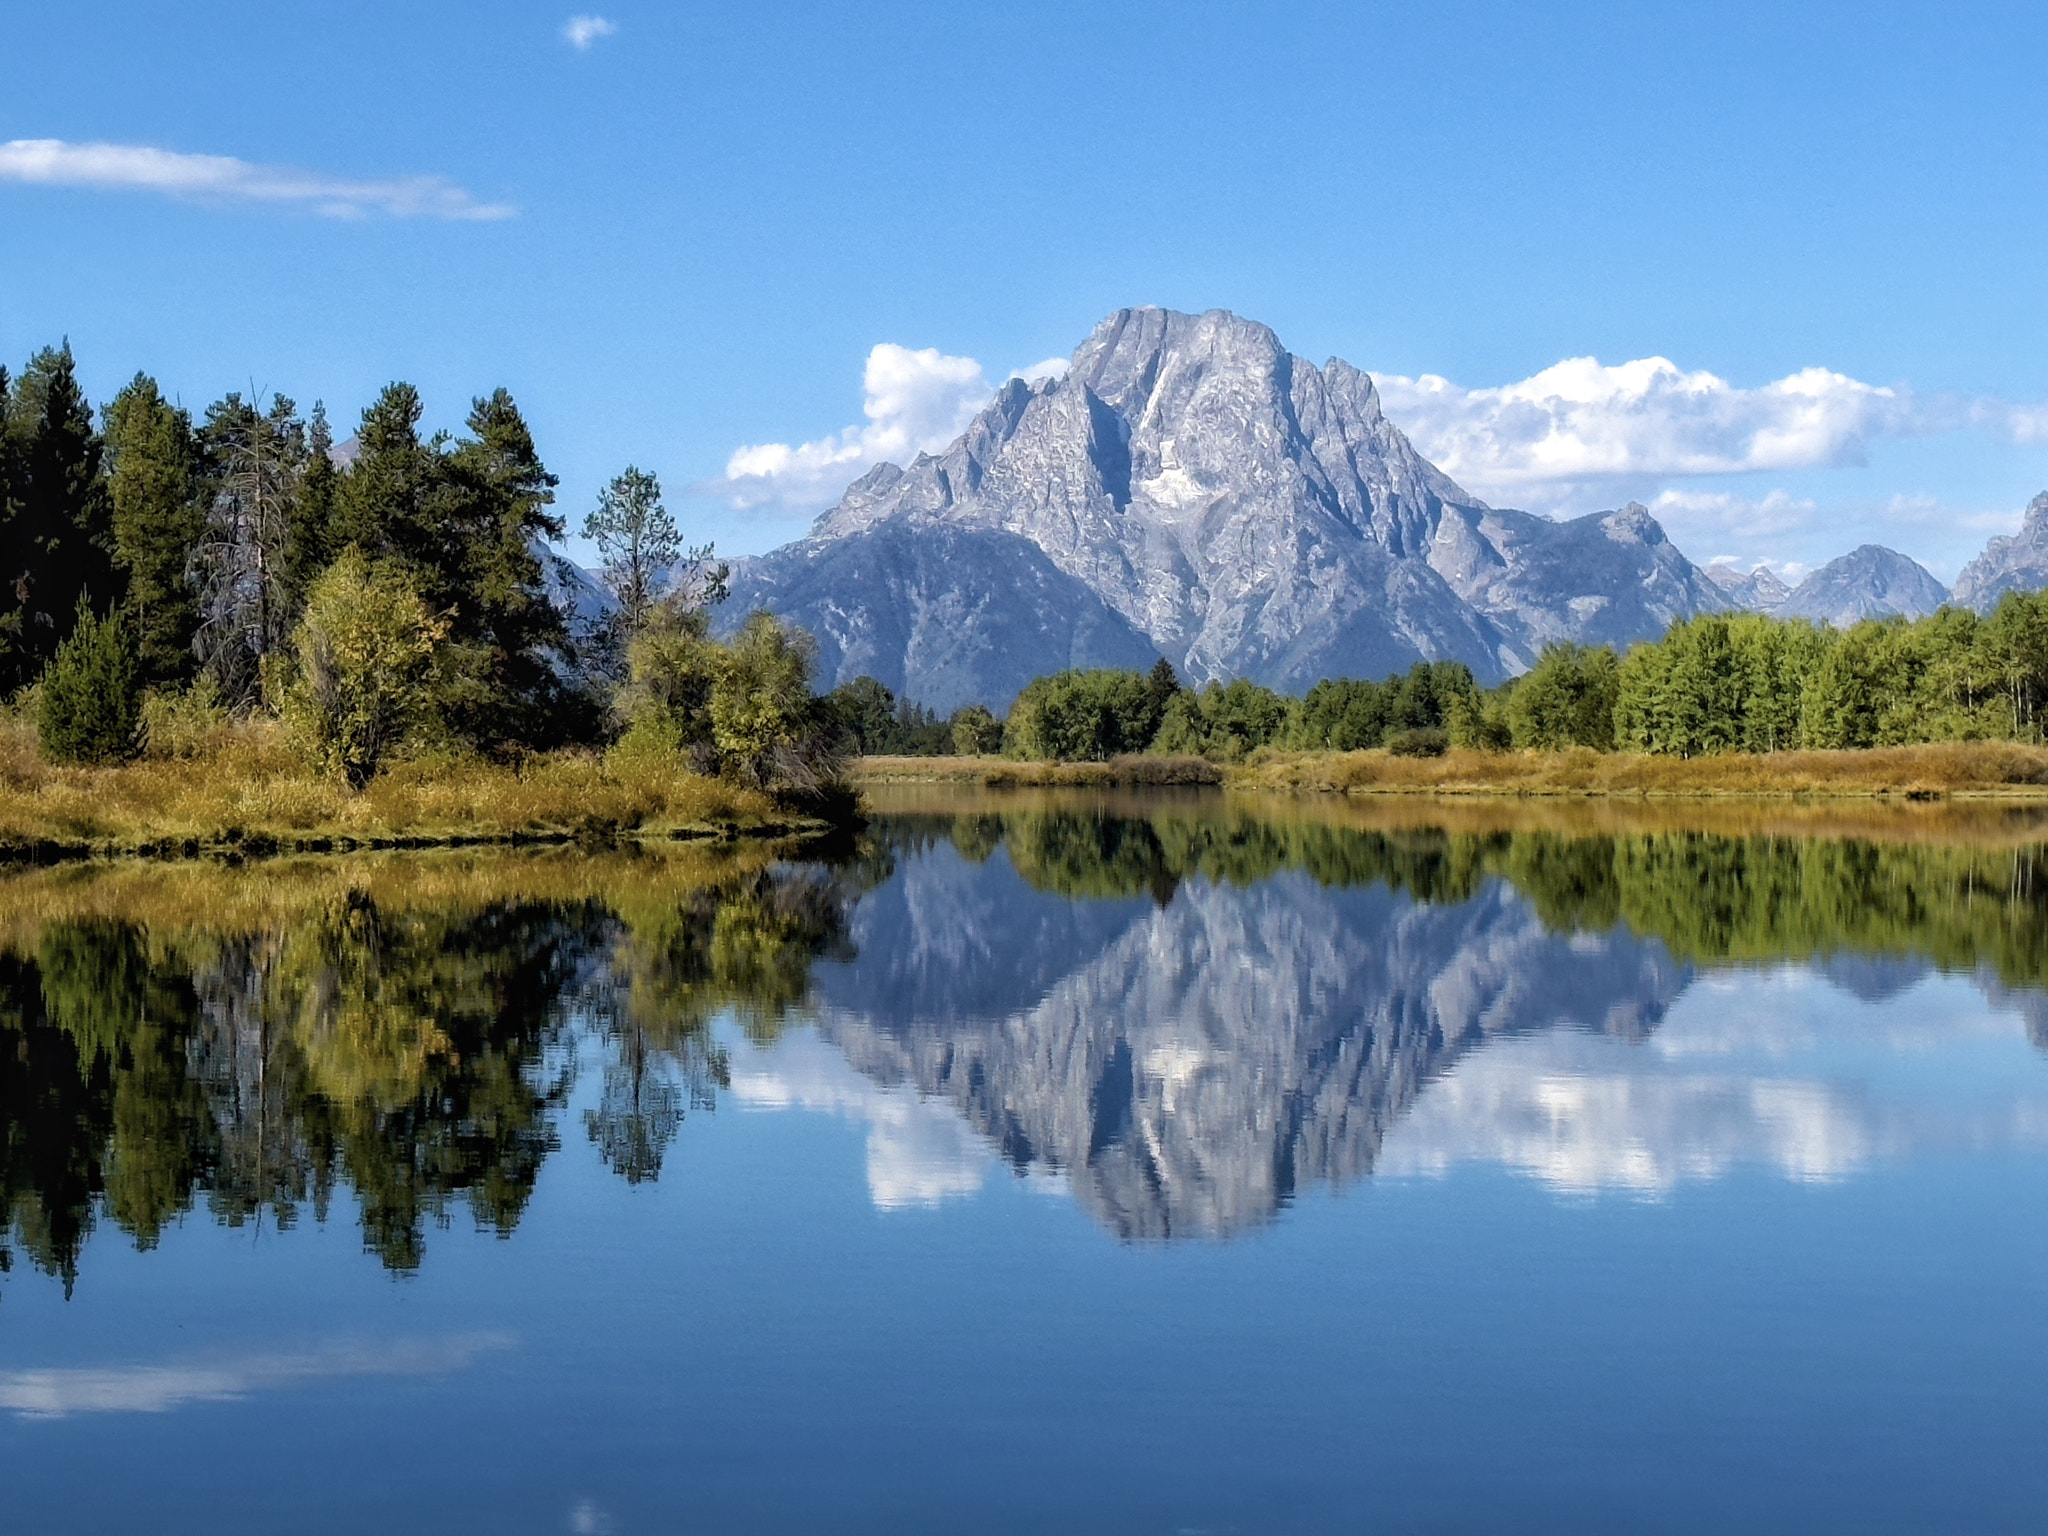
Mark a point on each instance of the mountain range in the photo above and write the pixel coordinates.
(1190, 489)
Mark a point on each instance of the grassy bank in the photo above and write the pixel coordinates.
(1008, 773)
(1987, 769)
(245, 790)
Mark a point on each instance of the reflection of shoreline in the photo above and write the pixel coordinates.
(1190, 1064)
(59, 1392)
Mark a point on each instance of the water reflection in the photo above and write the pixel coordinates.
(1183, 1011)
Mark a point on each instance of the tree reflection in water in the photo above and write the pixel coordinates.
(408, 1028)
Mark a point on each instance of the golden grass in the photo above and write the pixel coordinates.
(1983, 769)
(1985, 822)
(247, 789)
(1008, 773)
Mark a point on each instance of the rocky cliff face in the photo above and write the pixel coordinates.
(1867, 583)
(2015, 562)
(1191, 489)
(1758, 592)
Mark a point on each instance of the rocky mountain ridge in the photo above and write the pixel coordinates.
(1190, 489)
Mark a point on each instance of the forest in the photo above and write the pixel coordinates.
(375, 600)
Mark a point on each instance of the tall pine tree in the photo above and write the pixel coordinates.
(158, 519)
(57, 546)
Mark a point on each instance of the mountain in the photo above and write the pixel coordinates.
(1190, 489)
(1193, 1059)
(1759, 592)
(2014, 562)
(1870, 582)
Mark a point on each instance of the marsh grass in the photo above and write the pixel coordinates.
(1133, 769)
(243, 786)
(1991, 769)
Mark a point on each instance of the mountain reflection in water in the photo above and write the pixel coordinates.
(1184, 1010)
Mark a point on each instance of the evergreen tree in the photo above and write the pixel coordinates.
(310, 525)
(638, 541)
(90, 705)
(158, 519)
(57, 544)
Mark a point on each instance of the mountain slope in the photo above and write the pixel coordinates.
(1870, 582)
(2013, 562)
(1237, 509)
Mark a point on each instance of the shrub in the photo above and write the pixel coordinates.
(89, 705)
(364, 663)
(769, 730)
(1423, 741)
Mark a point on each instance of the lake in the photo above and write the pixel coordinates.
(1042, 1162)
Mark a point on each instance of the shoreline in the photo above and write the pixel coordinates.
(1988, 771)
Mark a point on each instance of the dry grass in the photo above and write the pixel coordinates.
(1987, 823)
(1983, 769)
(246, 789)
(1007, 773)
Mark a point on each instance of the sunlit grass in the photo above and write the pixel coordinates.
(1942, 768)
(245, 785)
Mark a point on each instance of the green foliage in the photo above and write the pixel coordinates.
(1746, 682)
(1566, 699)
(1224, 721)
(1084, 716)
(769, 731)
(976, 732)
(1420, 741)
(89, 703)
(365, 658)
(1348, 715)
(874, 722)
(56, 536)
(158, 517)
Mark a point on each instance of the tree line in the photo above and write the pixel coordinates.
(1716, 683)
(376, 595)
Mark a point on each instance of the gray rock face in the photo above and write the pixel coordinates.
(1191, 1065)
(1867, 583)
(1241, 511)
(1759, 592)
(2013, 562)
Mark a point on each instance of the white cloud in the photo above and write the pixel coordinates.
(1580, 420)
(582, 31)
(224, 179)
(919, 1151)
(1050, 368)
(57, 1393)
(917, 402)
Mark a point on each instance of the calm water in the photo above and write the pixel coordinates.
(1041, 1164)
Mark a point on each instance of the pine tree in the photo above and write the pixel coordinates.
(90, 706)
(638, 540)
(158, 518)
(57, 545)
(310, 527)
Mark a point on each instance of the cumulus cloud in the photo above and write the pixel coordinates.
(919, 1151)
(223, 179)
(916, 402)
(59, 1393)
(1582, 420)
(581, 31)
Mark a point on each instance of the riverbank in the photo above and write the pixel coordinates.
(1989, 770)
(246, 792)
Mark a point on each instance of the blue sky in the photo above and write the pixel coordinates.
(688, 235)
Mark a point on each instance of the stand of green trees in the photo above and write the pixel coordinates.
(1714, 684)
(379, 598)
